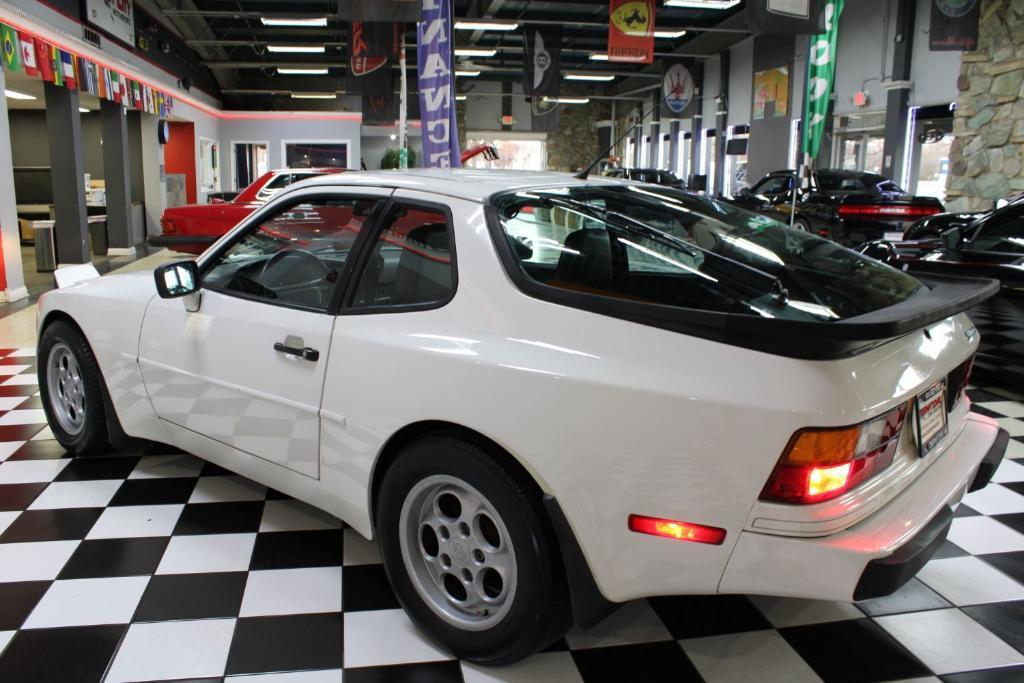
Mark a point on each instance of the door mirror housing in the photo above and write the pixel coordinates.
(953, 239)
(177, 279)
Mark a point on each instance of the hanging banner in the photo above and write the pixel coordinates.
(12, 51)
(954, 25)
(784, 16)
(28, 54)
(373, 52)
(678, 89)
(437, 85)
(44, 60)
(821, 71)
(631, 31)
(116, 17)
(542, 61)
(379, 10)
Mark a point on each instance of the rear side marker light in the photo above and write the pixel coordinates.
(681, 531)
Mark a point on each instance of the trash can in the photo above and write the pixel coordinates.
(46, 253)
(98, 236)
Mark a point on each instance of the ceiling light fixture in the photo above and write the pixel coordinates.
(305, 49)
(314, 96)
(589, 77)
(460, 98)
(486, 25)
(599, 57)
(703, 4)
(670, 34)
(568, 100)
(83, 110)
(286, 71)
(15, 95)
(467, 73)
(280, 21)
(474, 52)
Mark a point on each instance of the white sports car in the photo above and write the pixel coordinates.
(545, 395)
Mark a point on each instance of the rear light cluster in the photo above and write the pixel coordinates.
(167, 225)
(887, 211)
(820, 464)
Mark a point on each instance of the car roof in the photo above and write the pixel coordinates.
(464, 183)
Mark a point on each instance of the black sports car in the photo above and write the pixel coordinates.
(850, 207)
(991, 246)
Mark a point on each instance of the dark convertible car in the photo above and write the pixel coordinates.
(991, 246)
(850, 207)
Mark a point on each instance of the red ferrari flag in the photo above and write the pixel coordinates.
(631, 31)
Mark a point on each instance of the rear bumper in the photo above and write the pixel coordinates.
(882, 552)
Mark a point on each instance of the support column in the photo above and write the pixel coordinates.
(64, 127)
(12, 275)
(673, 148)
(656, 159)
(697, 122)
(117, 178)
(721, 120)
(898, 100)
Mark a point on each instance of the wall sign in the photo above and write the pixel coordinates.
(631, 31)
(954, 25)
(116, 17)
(677, 90)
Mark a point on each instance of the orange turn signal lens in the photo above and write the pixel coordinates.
(823, 446)
(681, 531)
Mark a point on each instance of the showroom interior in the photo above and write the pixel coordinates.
(851, 146)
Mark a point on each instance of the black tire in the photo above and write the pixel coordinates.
(802, 225)
(539, 613)
(92, 437)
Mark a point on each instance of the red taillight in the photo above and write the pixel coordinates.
(167, 225)
(887, 210)
(681, 531)
(819, 464)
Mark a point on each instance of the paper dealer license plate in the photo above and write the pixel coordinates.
(931, 417)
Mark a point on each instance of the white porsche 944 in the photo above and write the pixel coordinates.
(545, 395)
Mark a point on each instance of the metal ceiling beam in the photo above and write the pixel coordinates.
(516, 69)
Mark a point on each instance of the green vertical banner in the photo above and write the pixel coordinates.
(821, 71)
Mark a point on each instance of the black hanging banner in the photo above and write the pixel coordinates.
(380, 10)
(784, 16)
(544, 117)
(954, 25)
(542, 61)
(678, 89)
(373, 51)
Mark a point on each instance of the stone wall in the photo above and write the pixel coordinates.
(987, 156)
(575, 144)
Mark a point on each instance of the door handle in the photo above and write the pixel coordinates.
(305, 353)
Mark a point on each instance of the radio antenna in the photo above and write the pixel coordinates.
(582, 175)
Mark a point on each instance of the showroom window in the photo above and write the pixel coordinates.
(410, 263)
(315, 154)
(295, 256)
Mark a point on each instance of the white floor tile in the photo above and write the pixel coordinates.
(783, 612)
(9, 448)
(28, 416)
(381, 637)
(549, 667)
(1009, 471)
(77, 494)
(982, 535)
(762, 656)
(22, 353)
(11, 402)
(28, 378)
(160, 466)
(969, 581)
(292, 591)
(1015, 449)
(357, 550)
(1012, 425)
(34, 561)
(209, 553)
(31, 471)
(13, 369)
(5, 637)
(634, 622)
(323, 676)
(948, 641)
(1007, 408)
(173, 649)
(292, 515)
(995, 499)
(6, 518)
(86, 602)
(132, 521)
(226, 489)
(44, 434)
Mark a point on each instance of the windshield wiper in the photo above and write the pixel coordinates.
(780, 292)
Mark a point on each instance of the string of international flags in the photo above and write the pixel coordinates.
(37, 58)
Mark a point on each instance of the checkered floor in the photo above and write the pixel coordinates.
(156, 566)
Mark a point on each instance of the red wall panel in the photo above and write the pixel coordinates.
(180, 155)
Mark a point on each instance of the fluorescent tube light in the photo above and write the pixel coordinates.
(320, 49)
(311, 21)
(703, 4)
(467, 73)
(15, 95)
(670, 34)
(286, 71)
(474, 52)
(314, 96)
(599, 57)
(460, 98)
(568, 100)
(486, 25)
(589, 77)
(83, 110)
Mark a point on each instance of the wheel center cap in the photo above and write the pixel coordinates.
(460, 553)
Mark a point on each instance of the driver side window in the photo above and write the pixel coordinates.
(294, 257)
(1005, 236)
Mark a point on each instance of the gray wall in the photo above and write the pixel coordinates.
(741, 79)
(483, 111)
(769, 137)
(31, 144)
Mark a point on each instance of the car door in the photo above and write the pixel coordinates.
(246, 367)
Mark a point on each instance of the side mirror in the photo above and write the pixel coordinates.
(953, 239)
(177, 279)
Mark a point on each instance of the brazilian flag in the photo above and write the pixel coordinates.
(12, 53)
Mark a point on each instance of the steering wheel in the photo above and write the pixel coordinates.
(276, 275)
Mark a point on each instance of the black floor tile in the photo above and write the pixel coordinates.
(81, 469)
(18, 390)
(1011, 564)
(47, 449)
(220, 518)
(912, 597)
(965, 511)
(115, 557)
(1009, 674)
(366, 587)
(20, 432)
(983, 396)
(32, 402)
(291, 549)
(70, 524)
(161, 491)
(60, 655)
(648, 662)
(192, 596)
(286, 643)
(855, 650)
(699, 616)
(949, 549)
(19, 496)
(17, 600)
(211, 470)
(1017, 486)
(1005, 619)
(427, 672)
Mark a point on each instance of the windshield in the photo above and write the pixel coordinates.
(664, 246)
